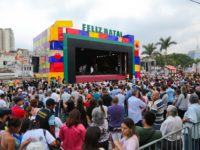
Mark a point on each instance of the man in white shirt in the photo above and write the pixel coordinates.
(135, 107)
(171, 124)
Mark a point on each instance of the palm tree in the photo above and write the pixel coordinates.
(164, 45)
(150, 52)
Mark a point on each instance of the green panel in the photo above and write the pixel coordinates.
(65, 54)
(96, 40)
(65, 49)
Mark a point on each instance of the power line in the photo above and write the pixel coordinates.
(195, 1)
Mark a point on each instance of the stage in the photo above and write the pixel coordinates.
(98, 78)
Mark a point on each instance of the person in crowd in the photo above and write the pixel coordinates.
(18, 109)
(164, 97)
(99, 119)
(82, 110)
(2, 101)
(107, 99)
(46, 118)
(192, 116)
(7, 141)
(40, 135)
(89, 110)
(34, 108)
(173, 123)
(130, 140)
(47, 96)
(135, 107)
(158, 109)
(69, 107)
(72, 133)
(4, 116)
(92, 138)
(75, 94)
(147, 133)
(87, 100)
(182, 101)
(115, 117)
(96, 95)
(121, 97)
(170, 93)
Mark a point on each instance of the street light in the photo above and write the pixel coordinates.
(195, 1)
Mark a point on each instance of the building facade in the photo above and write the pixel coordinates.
(194, 54)
(7, 40)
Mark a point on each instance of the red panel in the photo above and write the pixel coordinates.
(97, 78)
(56, 67)
(72, 31)
(60, 34)
(136, 53)
(103, 36)
(125, 40)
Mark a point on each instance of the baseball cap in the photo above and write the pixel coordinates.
(5, 111)
(18, 113)
(50, 101)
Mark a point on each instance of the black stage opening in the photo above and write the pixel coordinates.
(93, 61)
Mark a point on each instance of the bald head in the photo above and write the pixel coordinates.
(155, 95)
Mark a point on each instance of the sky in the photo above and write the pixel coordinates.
(147, 20)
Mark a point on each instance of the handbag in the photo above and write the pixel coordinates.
(51, 147)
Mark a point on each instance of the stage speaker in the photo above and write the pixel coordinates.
(35, 63)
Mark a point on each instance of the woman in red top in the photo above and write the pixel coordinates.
(72, 133)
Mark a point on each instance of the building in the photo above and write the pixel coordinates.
(194, 54)
(68, 53)
(7, 40)
(16, 64)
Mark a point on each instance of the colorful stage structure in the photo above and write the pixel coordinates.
(54, 48)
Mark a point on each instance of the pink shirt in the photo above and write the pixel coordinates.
(72, 137)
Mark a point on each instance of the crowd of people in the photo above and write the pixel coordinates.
(118, 115)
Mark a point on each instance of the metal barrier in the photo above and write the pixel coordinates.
(187, 138)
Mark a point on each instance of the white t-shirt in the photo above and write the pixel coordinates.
(58, 124)
(130, 144)
(38, 135)
(2, 103)
(56, 97)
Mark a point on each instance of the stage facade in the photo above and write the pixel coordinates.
(86, 55)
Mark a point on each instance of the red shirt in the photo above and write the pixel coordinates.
(72, 137)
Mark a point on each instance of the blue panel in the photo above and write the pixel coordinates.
(113, 38)
(52, 59)
(83, 33)
(137, 60)
(56, 45)
(130, 37)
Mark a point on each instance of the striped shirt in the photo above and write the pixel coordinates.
(158, 109)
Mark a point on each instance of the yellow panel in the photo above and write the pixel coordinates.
(93, 34)
(53, 33)
(137, 68)
(63, 23)
(56, 75)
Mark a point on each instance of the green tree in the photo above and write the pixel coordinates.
(164, 45)
(175, 60)
(150, 50)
